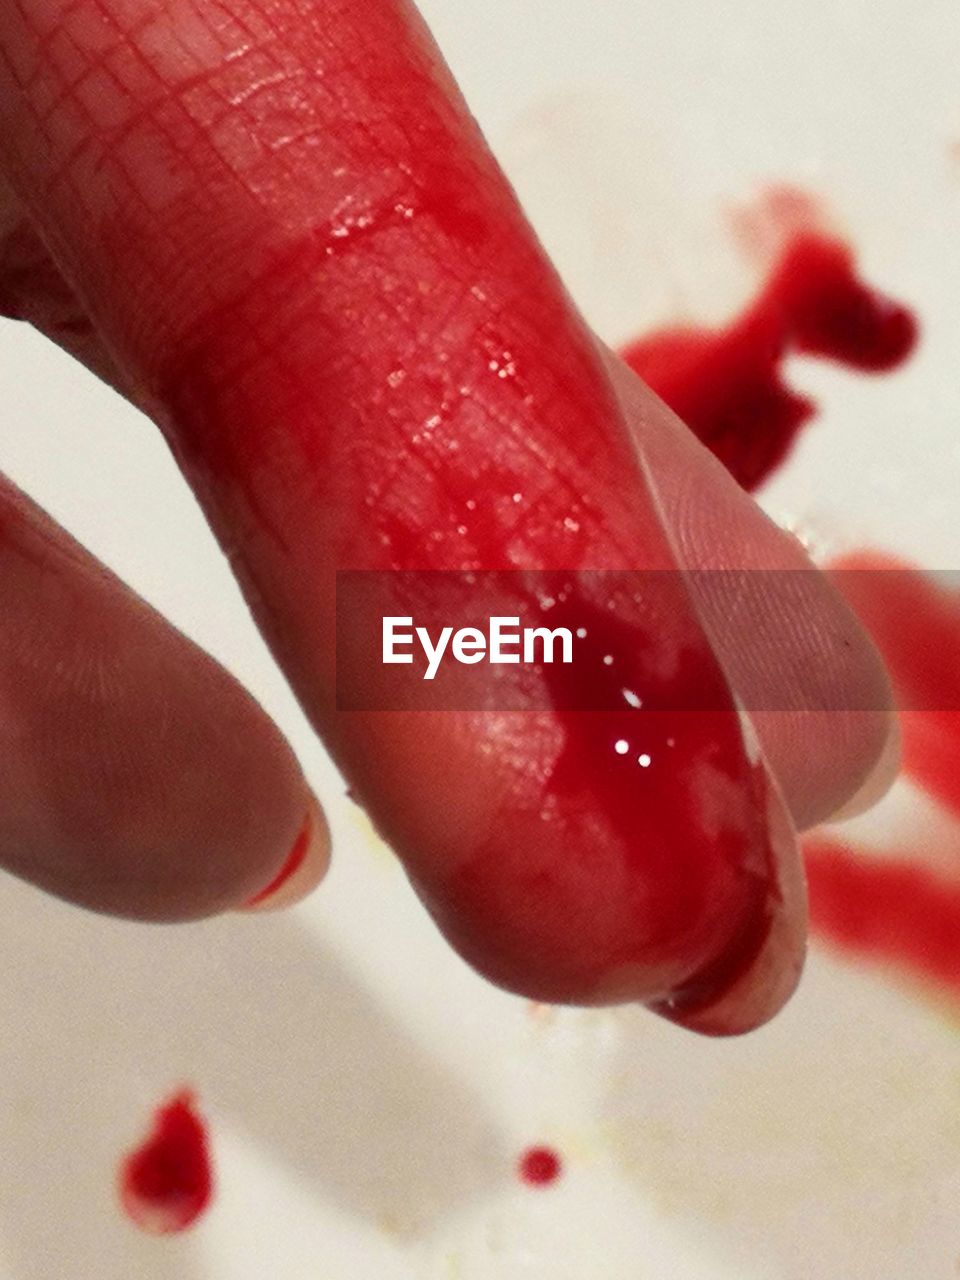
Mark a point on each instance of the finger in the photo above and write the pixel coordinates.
(321, 285)
(138, 778)
(835, 751)
(33, 288)
(807, 672)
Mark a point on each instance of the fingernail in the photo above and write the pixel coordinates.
(762, 988)
(303, 868)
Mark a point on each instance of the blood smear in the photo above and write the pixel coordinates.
(636, 760)
(539, 1166)
(896, 911)
(916, 624)
(886, 912)
(727, 384)
(167, 1182)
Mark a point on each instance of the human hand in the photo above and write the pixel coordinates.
(277, 230)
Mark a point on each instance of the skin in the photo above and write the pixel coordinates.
(222, 210)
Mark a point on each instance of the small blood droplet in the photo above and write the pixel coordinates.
(167, 1182)
(539, 1166)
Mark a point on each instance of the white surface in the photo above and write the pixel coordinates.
(368, 1093)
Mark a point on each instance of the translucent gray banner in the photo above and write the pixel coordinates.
(516, 640)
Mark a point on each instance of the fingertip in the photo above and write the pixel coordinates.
(303, 868)
(759, 991)
(878, 781)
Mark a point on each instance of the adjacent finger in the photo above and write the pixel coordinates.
(803, 666)
(137, 777)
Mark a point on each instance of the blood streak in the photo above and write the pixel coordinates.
(292, 865)
(916, 623)
(539, 1166)
(887, 912)
(897, 911)
(727, 384)
(167, 1182)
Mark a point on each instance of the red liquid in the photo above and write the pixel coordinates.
(635, 761)
(624, 877)
(166, 1183)
(539, 1166)
(917, 627)
(893, 913)
(292, 865)
(898, 912)
(728, 385)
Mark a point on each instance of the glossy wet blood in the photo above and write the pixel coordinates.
(728, 384)
(539, 1166)
(632, 746)
(167, 1182)
(646, 870)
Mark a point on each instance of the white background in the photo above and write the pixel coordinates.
(368, 1094)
